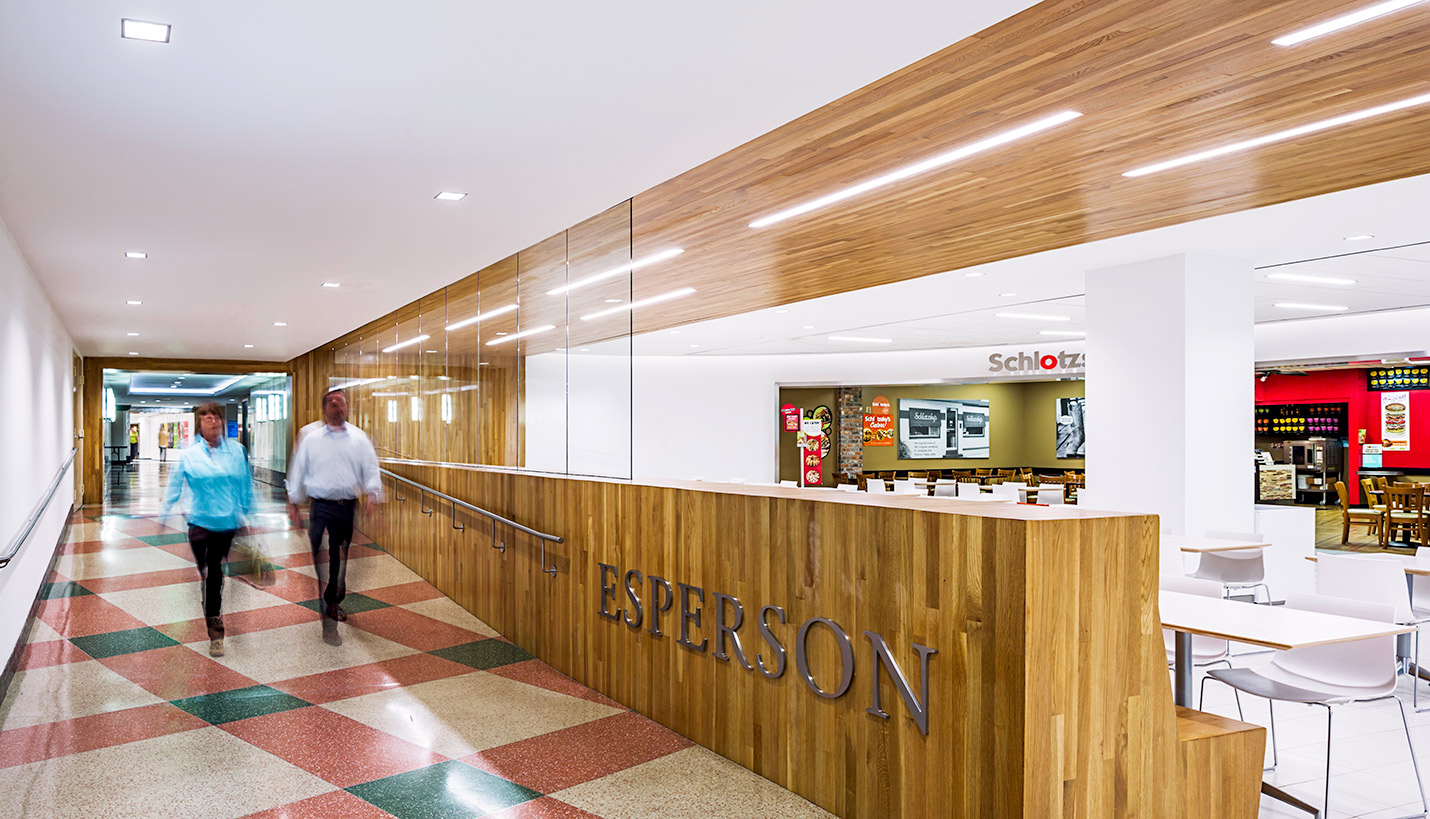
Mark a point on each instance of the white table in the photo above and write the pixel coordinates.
(1194, 544)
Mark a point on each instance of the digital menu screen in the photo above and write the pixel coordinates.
(1385, 379)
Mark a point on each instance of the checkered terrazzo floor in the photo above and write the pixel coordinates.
(422, 713)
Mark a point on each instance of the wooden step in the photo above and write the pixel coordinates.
(1220, 763)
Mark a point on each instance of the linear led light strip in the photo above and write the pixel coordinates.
(1299, 277)
(457, 325)
(1344, 21)
(920, 167)
(616, 271)
(674, 294)
(1279, 136)
(408, 343)
(184, 390)
(523, 334)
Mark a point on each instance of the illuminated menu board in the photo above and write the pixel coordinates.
(1298, 420)
(1398, 378)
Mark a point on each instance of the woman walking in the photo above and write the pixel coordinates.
(219, 500)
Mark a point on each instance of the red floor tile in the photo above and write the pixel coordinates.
(175, 672)
(366, 679)
(242, 622)
(411, 629)
(328, 806)
(85, 547)
(85, 615)
(568, 757)
(185, 631)
(20, 746)
(537, 673)
(143, 527)
(333, 747)
(404, 593)
(143, 580)
(178, 550)
(544, 808)
(295, 587)
(51, 652)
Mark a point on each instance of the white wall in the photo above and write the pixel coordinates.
(36, 432)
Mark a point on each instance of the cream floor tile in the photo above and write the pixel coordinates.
(281, 543)
(181, 601)
(40, 632)
(688, 783)
(112, 563)
(201, 774)
(460, 715)
(376, 572)
(67, 691)
(443, 609)
(299, 650)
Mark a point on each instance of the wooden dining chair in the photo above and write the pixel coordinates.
(1405, 512)
(1374, 498)
(1370, 517)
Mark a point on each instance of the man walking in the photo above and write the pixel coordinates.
(333, 466)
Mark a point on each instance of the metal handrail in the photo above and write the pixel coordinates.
(495, 518)
(34, 518)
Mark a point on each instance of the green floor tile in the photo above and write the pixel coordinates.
(165, 540)
(447, 790)
(234, 568)
(68, 588)
(351, 604)
(241, 703)
(115, 643)
(483, 654)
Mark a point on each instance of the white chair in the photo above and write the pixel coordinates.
(876, 486)
(782, 483)
(969, 490)
(1420, 584)
(1238, 569)
(945, 490)
(1374, 579)
(737, 480)
(1329, 675)
(904, 486)
(1051, 495)
(849, 487)
(1005, 490)
(1205, 650)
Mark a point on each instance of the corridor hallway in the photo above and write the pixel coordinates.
(423, 712)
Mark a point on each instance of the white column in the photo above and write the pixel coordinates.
(1170, 393)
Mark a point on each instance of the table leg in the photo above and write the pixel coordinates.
(1182, 690)
(1280, 795)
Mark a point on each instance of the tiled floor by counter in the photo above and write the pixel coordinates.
(423, 713)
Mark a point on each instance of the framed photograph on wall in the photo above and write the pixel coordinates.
(1072, 429)
(935, 428)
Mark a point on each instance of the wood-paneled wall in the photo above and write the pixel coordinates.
(1048, 694)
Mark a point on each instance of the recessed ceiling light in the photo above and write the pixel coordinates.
(133, 353)
(247, 346)
(693, 346)
(807, 327)
(1033, 316)
(1344, 21)
(675, 332)
(331, 284)
(501, 334)
(975, 274)
(449, 196)
(1301, 277)
(920, 167)
(131, 334)
(1279, 136)
(1298, 305)
(862, 339)
(135, 254)
(1007, 295)
(430, 351)
(1062, 332)
(616, 271)
(1360, 237)
(674, 294)
(613, 301)
(585, 349)
(523, 334)
(280, 324)
(140, 30)
(781, 312)
(457, 325)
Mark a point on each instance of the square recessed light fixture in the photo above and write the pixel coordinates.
(141, 30)
(247, 346)
(450, 196)
(134, 302)
(1007, 295)
(1360, 237)
(131, 334)
(135, 254)
(331, 284)
(280, 324)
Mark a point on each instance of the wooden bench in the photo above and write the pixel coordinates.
(1220, 763)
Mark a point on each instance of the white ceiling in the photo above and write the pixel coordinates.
(273, 146)
(952, 309)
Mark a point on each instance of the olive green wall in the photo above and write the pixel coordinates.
(1022, 425)
(807, 398)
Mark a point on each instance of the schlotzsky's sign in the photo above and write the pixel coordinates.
(1024, 363)
(770, 657)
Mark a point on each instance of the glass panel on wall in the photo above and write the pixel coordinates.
(540, 352)
(403, 393)
(498, 366)
(462, 345)
(435, 404)
(269, 399)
